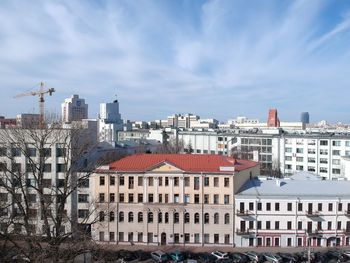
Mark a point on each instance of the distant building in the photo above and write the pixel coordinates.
(74, 109)
(305, 117)
(5, 122)
(26, 120)
(110, 122)
(273, 120)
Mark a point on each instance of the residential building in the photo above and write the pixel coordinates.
(26, 120)
(74, 109)
(163, 199)
(298, 211)
(4, 122)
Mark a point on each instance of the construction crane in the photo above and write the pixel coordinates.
(40, 93)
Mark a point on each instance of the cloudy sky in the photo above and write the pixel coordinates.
(216, 59)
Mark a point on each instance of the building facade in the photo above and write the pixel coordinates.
(162, 199)
(74, 109)
(300, 211)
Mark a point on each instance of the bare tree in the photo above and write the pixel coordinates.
(173, 145)
(42, 172)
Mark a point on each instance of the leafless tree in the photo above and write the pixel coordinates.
(173, 145)
(41, 173)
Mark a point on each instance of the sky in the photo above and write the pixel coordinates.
(218, 59)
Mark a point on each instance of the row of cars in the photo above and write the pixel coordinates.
(235, 257)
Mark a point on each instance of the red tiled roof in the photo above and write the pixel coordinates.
(187, 162)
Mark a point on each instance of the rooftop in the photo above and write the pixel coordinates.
(303, 185)
(192, 163)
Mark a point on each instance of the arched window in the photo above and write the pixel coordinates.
(166, 218)
(196, 218)
(187, 218)
(102, 216)
(150, 217)
(206, 218)
(111, 216)
(160, 217)
(216, 218)
(227, 218)
(121, 216)
(140, 217)
(176, 218)
(131, 217)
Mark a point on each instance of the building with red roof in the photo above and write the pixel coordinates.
(163, 199)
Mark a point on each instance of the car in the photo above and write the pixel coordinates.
(287, 257)
(206, 257)
(238, 257)
(177, 256)
(273, 258)
(253, 256)
(224, 260)
(219, 254)
(336, 255)
(142, 255)
(346, 253)
(190, 261)
(159, 256)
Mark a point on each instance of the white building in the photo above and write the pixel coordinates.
(110, 122)
(299, 211)
(319, 153)
(74, 109)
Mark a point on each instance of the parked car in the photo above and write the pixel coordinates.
(288, 257)
(206, 257)
(238, 257)
(346, 253)
(273, 258)
(177, 256)
(159, 256)
(219, 254)
(253, 256)
(336, 255)
(142, 255)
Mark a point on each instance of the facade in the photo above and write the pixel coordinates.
(74, 109)
(290, 152)
(305, 117)
(26, 120)
(273, 120)
(160, 199)
(299, 211)
(110, 122)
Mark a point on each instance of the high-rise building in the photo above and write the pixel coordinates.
(273, 120)
(74, 109)
(305, 117)
(110, 121)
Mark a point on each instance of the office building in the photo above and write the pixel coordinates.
(74, 109)
(305, 118)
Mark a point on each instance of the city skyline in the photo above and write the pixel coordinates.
(216, 59)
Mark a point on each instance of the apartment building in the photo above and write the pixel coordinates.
(290, 152)
(160, 199)
(303, 210)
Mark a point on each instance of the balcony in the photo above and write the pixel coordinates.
(309, 213)
(346, 231)
(243, 232)
(243, 212)
(313, 232)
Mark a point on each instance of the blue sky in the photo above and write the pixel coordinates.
(216, 59)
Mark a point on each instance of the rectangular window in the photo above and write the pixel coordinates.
(121, 198)
(277, 225)
(176, 181)
(323, 142)
(131, 198)
(196, 183)
(300, 150)
(160, 181)
(140, 181)
(268, 206)
(336, 152)
(216, 181)
(166, 183)
(277, 206)
(206, 199)
(336, 143)
(268, 225)
(289, 225)
(330, 207)
(288, 158)
(226, 199)
(121, 180)
(319, 207)
(251, 206)
(102, 197)
(300, 225)
(289, 206)
(300, 207)
(329, 225)
(111, 197)
(150, 181)
(216, 199)
(187, 181)
(140, 198)
(112, 180)
(259, 206)
(300, 159)
(150, 198)
(258, 225)
(176, 198)
(206, 181)
(196, 198)
(226, 182)
(131, 182)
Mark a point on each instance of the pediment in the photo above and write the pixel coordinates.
(165, 167)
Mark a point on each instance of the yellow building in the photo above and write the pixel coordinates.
(162, 199)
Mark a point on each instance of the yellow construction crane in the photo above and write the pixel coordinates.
(40, 93)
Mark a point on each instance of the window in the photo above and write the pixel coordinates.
(311, 151)
(226, 199)
(166, 218)
(121, 180)
(339, 225)
(140, 217)
(323, 170)
(329, 225)
(336, 143)
(251, 206)
(336, 171)
(176, 198)
(60, 152)
(311, 169)
(268, 206)
(340, 207)
(160, 181)
(288, 158)
(330, 207)
(101, 197)
(131, 182)
(289, 225)
(216, 199)
(226, 182)
(258, 224)
(131, 217)
(111, 236)
(206, 181)
(336, 161)
(83, 213)
(216, 181)
(216, 218)
(47, 152)
(259, 206)
(176, 181)
(323, 152)
(166, 198)
(160, 198)
(187, 181)
(160, 217)
(216, 238)
(196, 198)
(121, 216)
(196, 183)
(300, 150)
(300, 225)
(16, 152)
(300, 159)
(187, 218)
(101, 216)
(176, 218)
(206, 199)
(311, 159)
(61, 168)
(196, 218)
(227, 218)
(323, 142)
(299, 167)
(268, 225)
(289, 206)
(319, 207)
(206, 218)
(300, 207)
(150, 198)
(150, 217)
(111, 216)
(131, 198)
(150, 181)
(166, 181)
(140, 198)
(277, 206)
(277, 225)
(187, 198)
(288, 150)
(336, 152)
(102, 236)
(121, 198)
(140, 181)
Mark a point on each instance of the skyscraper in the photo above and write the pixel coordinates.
(74, 109)
(305, 117)
(273, 120)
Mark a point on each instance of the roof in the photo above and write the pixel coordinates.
(186, 162)
(304, 185)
